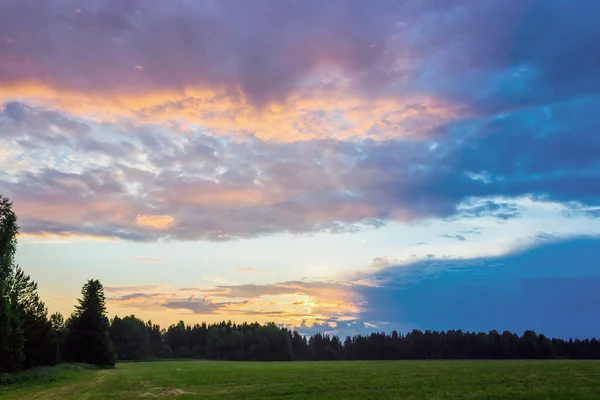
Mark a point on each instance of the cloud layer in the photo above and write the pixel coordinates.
(146, 183)
(226, 120)
(540, 288)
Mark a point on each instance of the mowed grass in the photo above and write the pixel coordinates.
(564, 380)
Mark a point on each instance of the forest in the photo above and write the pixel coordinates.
(135, 340)
(29, 337)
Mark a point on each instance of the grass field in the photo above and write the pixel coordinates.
(564, 380)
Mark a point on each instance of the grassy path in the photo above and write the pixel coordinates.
(527, 380)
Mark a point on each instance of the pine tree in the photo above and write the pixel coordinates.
(88, 338)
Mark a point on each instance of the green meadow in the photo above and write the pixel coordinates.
(529, 380)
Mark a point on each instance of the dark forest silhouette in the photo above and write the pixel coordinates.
(136, 340)
(29, 338)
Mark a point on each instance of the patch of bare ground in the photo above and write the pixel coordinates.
(66, 390)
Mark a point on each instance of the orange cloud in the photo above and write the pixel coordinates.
(306, 114)
(154, 221)
(287, 302)
(214, 194)
(63, 237)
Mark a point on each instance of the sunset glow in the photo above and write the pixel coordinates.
(333, 166)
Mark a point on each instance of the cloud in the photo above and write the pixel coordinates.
(229, 45)
(288, 302)
(133, 296)
(232, 131)
(457, 237)
(194, 186)
(546, 236)
(200, 306)
(416, 244)
(505, 292)
(226, 68)
(64, 237)
(283, 70)
(577, 209)
(311, 288)
(315, 115)
(146, 259)
(154, 221)
(475, 208)
(368, 282)
(267, 51)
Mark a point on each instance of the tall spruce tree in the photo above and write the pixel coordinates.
(88, 337)
(32, 316)
(11, 332)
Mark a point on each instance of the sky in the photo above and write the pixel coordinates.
(336, 166)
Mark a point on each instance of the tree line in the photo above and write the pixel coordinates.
(29, 337)
(136, 340)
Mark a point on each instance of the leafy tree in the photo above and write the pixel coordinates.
(198, 351)
(88, 339)
(228, 341)
(58, 335)
(155, 339)
(130, 338)
(184, 352)
(177, 336)
(166, 352)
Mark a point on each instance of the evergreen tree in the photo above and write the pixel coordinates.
(11, 333)
(88, 338)
(32, 317)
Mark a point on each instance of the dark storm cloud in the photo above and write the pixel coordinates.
(540, 288)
